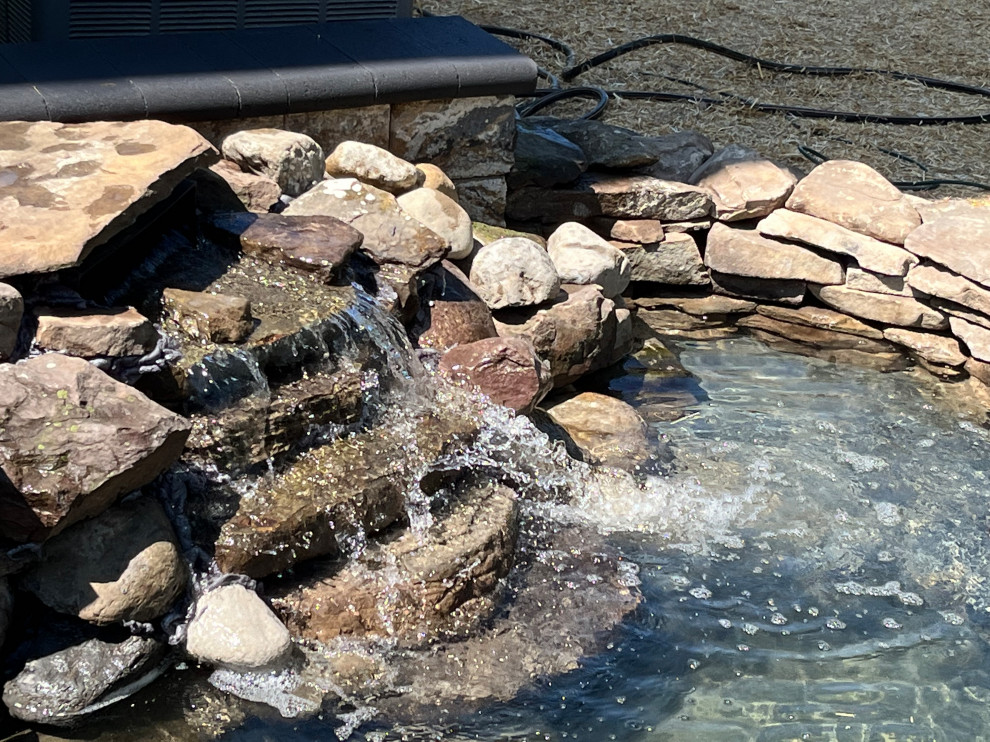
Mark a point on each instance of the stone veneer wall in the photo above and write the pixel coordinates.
(470, 139)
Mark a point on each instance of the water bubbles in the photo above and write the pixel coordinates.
(813, 611)
(834, 623)
(824, 646)
(693, 664)
(911, 599)
(725, 623)
(749, 628)
(778, 619)
(891, 623)
(863, 463)
(887, 513)
(701, 593)
(952, 618)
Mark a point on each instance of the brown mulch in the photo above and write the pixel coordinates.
(938, 38)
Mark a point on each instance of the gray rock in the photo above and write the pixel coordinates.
(233, 627)
(110, 440)
(59, 688)
(514, 272)
(544, 158)
(582, 257)
(374, 166)
(785, 292)
(484, 199)
(122, 565)
(678, 155)
(294, 161)
(608, 147)
(675, 261)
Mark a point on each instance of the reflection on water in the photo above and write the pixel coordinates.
(815, 569)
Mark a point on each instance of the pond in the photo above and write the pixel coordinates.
(813, 568)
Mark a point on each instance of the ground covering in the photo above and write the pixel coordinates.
(937, 38)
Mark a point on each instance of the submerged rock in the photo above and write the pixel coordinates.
(59, 688)
(606, 430)
(72, 441)
(294, 161)
(123, 565)
(418, 586)
(233, 627)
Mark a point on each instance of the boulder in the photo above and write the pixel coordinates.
(639, 231)
(95, 333)
(353, 485)
(937, 349)
(256, 193)
(857, 197)
(678, 155)
(742, 183)
(936, 281)
(72, 440)
(874, 283)
(674, 261)
(418, 586)
(742, 252)
(435, 178)
(233, 627)
(209, 318)
(606, 146)
(122, 565)
(582, 257)
(11, 314)
(314, 244)
(618, 196)
(869, 253)
(606, 430)
(61, 687)
(443, 216)
(544, 158)
(451, 312)
(891, 310)
(577, 334)
(514, 272)
(976, 338)
(961, 244)
(824, 319)
(374, 166)
(74, 186)
(507, 370)
(294, 161)
(391, 236)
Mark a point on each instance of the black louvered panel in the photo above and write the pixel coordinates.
(95, 18)
(178, 16)
(261, 13)
(349, 10)
(15, 21)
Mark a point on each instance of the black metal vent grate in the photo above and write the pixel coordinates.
(179, 16)
(89, 18)
(15, 21)
(348, 10)
(261, 13)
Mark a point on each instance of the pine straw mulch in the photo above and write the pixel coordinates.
(938, 38)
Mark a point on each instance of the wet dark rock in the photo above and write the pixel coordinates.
(417, 587)
(879, 361)
(316, 244)
(672, 321)
(544, 157)
(122, 565)
(208, 317)
(605, 146)
(355, 484)
(825, 319)
(94, 333)
(678, 155)
(6, 608)
(73, 440)
(451, 312)
(507, 370)
(817, 337)
(577, 334)
(59, 688)
(11, 314)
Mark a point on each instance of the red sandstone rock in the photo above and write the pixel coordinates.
(506, 369)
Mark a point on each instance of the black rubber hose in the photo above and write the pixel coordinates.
(553, 96)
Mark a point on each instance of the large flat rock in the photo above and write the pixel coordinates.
(68, 188)
(890, 310)
(743, 252)
(960, 243)
(71, 441)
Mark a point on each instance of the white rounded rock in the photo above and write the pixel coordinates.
(582, 257)
(444, 216)
(514, 272)
(233, 627)
(373, 165)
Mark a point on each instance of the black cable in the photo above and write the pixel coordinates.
(547, 98)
